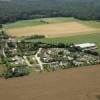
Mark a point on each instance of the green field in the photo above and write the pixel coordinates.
(92, 38)
(41, 21)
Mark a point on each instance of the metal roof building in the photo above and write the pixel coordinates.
(87, 46)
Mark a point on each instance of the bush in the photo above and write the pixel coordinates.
(36, 37)
(19, 71)
(92, 52)
(8, 74)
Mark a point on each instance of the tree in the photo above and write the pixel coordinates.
(29, 9)
(1, 26)
(61, 45)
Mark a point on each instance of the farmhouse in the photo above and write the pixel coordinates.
(18, 60)
(87, 46)
(12, 42)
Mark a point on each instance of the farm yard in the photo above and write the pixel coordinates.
(52, 27)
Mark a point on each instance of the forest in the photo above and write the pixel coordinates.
(14, 10)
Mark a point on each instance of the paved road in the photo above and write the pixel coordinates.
(26, 60)
(38, 59)
(4, 53)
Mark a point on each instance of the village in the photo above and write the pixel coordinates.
(63, 58)
(22, 57)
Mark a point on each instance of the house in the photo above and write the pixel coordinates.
(18, 60)
(12, 42)
(87, 46)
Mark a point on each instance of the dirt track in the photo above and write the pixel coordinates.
(53, 30)
(73, 84)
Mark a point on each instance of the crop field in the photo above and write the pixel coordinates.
(52, 27)
(73, 84)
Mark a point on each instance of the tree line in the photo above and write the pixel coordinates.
(11, 11)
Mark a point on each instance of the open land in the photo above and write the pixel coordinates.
(52, 27)
(73, 84)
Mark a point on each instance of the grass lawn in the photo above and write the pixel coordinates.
(40, 21)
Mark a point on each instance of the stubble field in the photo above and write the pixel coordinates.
(53, 30)
(52, 27)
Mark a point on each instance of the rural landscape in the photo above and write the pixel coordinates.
(49, 54)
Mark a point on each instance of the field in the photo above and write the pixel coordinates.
(52, 27)
(73, 84)
(40, 21)
(93, 38)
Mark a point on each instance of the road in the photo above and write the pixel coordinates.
(38, 59)
(26, 60)
(4, 54)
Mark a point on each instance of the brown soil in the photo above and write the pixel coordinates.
(53, 30)
(72, 84)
